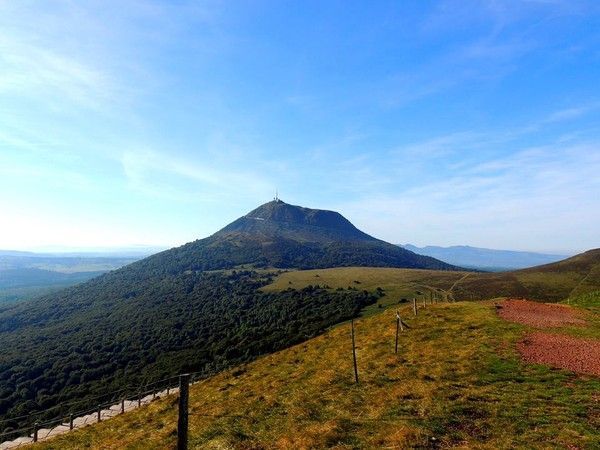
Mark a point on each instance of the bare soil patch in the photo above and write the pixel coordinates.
(564, 352)
(540, 315)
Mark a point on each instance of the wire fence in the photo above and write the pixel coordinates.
(40, 425)
(67, 416)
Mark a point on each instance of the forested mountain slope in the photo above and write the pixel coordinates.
(73, 345)
(172, 312)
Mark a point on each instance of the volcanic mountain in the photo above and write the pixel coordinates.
(277, 234)
(176, 311)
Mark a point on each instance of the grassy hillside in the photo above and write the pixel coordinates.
(456, 381)
(552, 282)
(591, 301)
(397, 284)
(168, 313)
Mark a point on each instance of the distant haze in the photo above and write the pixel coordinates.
(65, 251)
(485, 258)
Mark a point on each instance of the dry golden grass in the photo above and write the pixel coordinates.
(396, 283)
(456, 382)
(535, 283)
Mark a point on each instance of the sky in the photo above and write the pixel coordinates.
(126, 123)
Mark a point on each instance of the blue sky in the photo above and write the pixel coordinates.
(156, 123)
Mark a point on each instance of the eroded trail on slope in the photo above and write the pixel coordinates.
(555, 350)
(563, 352)
(540, 315)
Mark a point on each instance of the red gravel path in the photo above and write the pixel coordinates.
(540, 315)
(564, 352)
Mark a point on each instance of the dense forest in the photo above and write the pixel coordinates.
(73, 345)
(239, 248)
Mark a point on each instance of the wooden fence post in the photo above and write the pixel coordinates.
(36, 427)
(398, 324)
(139, 399)
(354, 352)
(71, 421)
(122, 406)
(182, 423)
(415, 305)
(99, 413)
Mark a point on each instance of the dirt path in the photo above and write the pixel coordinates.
(580, 282)
(450, 294)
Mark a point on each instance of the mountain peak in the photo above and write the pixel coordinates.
(284, 213)
(277, 234)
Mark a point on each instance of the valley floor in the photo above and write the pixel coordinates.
(457, 381)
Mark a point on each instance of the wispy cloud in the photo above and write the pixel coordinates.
(66, 55)
(496, 14)
(33, 71)
(572, 113)
(494, 181)
(441, 146)
(481, 41)
(544, 191)
(159, 175)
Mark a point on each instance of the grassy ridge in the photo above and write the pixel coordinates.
(590, 301)
(397, 284)
(457, 381)
(573, 277)
(551, 282)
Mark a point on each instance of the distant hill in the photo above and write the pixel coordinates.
(25, 275)
(32, 277)
(485, 258)
(62, 263)
(15, 253)
(574, 276)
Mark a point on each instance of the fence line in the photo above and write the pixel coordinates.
(134, 391)
(140, 394)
